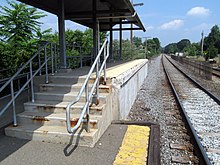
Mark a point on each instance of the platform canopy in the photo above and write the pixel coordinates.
(107, 12)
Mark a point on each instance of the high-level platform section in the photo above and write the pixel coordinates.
(45, 118)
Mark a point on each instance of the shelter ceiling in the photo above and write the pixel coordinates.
(81, 11)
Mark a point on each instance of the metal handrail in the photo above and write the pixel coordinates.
(29, 79)
(85, 111)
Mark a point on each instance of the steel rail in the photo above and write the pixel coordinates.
(213, 96)
(216, 72)
(199, 151)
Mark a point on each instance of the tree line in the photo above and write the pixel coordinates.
(211, 47)
(139, 49)
(20, 35)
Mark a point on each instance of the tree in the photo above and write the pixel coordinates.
(20, 22)
(171, 48)
(18, 26)
(137, 41)
(183, 44)
(212, 52)
(44, 35)
(212, 42)
(157, 43)
(192, 50)
(153, 46)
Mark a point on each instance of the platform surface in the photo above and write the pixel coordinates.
(113, 69)
(19, 151)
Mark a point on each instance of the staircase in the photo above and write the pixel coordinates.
(45, 119)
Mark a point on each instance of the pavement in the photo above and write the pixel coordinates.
(20, 151)
(121, 144)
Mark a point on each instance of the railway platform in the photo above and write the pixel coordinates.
(122, 143)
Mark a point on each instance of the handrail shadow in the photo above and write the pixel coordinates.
(70, 148)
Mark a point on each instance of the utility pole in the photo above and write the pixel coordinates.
(202, 43)
(131, 32)
(146, 52)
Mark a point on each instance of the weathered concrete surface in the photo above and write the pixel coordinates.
(7, 117)
(126, 85)
(124, 81)
(20, 152)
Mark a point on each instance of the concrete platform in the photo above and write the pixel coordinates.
(44, 120)
(19, 152)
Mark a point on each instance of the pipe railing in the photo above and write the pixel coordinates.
(84, 116)
(32, 73)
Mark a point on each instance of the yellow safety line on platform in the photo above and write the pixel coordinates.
(133, 150)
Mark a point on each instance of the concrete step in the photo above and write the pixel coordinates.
(53, 134)
(53, 119)
(64, 97)
(68, 79)
(70, 88)
(60, 107)
(77, 71)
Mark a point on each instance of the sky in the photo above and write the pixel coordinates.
(168, 20)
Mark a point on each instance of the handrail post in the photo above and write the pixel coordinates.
(13, 104)
(97, 85)
(80, 51)
(87, 108)
(32, 82)
(105, 52)
(28, 86)
(46, 67)
(39, 61)
(55, 56)
(52, 58)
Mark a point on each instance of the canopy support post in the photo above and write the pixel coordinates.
(62, 42)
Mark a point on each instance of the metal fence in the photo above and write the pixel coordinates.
(203, 69)
(38, 64)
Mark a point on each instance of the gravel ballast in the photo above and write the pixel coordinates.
(148, 105)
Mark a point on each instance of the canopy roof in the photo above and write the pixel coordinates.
(81, 11)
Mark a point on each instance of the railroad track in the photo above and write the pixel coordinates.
(216, 72)
(201, 112)
(178, 139)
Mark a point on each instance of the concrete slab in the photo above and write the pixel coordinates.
(126, 80)
(116, 71)
(60, 107)
(113, 70)
(53, 119)
(19, 152)
(53, 134)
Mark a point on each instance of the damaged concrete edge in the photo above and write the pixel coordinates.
(154, 140)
